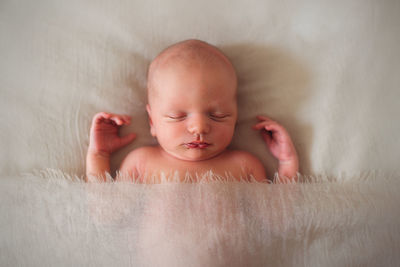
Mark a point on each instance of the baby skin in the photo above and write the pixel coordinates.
(192, 111)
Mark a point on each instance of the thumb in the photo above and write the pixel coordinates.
(127, 139)
(267, 137)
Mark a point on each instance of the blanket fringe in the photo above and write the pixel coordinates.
(211, 177)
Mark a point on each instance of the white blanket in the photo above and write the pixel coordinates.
(50, 220)
(327, 70)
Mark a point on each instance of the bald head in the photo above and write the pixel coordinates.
(187, 53)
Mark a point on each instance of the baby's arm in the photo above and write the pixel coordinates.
(280, 145)
(104, 140)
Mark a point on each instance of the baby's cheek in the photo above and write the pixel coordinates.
(170, 134)
(224, 133)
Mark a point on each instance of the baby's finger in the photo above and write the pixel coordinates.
(265, 125)
(124, 118)
(264, 118)
(267, 136)
(117, 120)
(100, 117)
(128, 139)
(127, 119)
(274, 130)
(259, 126)
(106, 115)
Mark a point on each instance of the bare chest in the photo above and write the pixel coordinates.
(159, 167)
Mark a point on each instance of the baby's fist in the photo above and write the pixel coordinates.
(277, 139)
(104, 138)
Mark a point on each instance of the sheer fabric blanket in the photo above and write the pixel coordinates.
(50, 218)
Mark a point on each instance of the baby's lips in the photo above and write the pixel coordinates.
(203, 145)
(197, 145)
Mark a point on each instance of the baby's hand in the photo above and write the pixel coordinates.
(277, 139)
(104, 137)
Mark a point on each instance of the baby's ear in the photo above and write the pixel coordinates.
(152, 129)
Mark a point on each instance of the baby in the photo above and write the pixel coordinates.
(192, 111)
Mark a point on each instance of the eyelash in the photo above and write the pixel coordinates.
(176, 117)
(212, 116)
(218, 117)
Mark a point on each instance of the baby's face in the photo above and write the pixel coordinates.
(193, 110)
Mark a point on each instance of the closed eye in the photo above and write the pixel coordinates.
(218, 116)
(176, 117)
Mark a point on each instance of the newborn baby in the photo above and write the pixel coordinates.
(192, 112)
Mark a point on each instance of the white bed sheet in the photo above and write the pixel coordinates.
(327, 70)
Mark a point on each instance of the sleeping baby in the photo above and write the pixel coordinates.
(192, 111)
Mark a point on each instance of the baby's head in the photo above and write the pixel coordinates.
(192, 100)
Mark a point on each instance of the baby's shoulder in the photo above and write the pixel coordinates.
(240, 156)
(141, 153)
(135, 160)
(247, 162)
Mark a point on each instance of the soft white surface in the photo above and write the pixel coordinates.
(327, 70)
(48, 220)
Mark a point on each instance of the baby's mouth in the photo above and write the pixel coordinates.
(197, 145)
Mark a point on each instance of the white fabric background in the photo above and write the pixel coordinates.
(327, 70)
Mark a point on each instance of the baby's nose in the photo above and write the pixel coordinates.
(198, 124)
